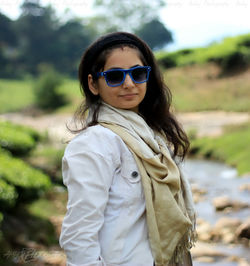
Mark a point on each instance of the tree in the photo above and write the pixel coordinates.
(47, 95)
(73, 39)
(140, 17)
(36, 29)
(126, 15)
(155, 34)
(101, 24)
(8, 43)
(7, 33)
(44, 39)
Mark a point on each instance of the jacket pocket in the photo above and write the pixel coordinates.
(131, 180)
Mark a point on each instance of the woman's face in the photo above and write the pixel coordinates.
(127, 95)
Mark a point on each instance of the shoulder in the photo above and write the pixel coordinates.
(96, 139)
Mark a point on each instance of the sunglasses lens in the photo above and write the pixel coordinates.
(114, 77)
(139, 74)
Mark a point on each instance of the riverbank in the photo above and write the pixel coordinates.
(222, 206)
(232, 147)
(207, 123)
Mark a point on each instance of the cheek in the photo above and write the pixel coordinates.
(106, 92)
(144, 89)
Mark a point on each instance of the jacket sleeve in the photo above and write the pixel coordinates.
(88, 177)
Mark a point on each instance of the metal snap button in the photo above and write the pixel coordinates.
(134, 174)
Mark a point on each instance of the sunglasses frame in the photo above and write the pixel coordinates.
(124, 71)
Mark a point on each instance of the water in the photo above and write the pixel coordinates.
(219, 180)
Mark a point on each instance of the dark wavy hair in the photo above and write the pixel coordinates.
(155, 107)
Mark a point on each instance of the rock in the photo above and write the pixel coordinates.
(206, 250)
(243, 231)
(197, 198)
(203, 230)
(233, 258)
(243, 262)
(196, 189)
(198, 193)
(224, 230)
(57, 222)
(227, 222)
(205, 259)
(223, 203)
(245, 187)
(240, 261)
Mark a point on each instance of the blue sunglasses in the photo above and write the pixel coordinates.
(116, 77)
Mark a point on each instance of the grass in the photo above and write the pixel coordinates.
(15, 95)
(71, 89)
(194, 88)
(233, 147)
(198, 88)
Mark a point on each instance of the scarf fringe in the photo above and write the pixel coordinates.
(184, 245)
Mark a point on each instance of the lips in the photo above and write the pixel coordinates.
(129, 95)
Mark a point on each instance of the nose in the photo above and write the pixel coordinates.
(128, 82)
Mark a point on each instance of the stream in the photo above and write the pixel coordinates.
(218, 179)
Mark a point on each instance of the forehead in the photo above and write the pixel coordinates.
(123, 57)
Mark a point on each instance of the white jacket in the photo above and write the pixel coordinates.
(105, 223)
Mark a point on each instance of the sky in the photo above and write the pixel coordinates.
(193, 23)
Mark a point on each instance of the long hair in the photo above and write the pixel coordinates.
(155, 107)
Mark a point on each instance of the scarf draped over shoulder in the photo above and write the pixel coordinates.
(169, 206)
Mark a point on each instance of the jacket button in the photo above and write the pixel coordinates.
(134, 174)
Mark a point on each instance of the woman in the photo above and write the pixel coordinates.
(128, 203)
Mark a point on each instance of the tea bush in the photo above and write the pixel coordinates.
(49, 159)
(17, 175)
(20, 183)
(230, 54)
(19, 140)
(175, 59)
(8, 195)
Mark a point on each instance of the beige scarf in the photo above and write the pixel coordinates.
(169, 206)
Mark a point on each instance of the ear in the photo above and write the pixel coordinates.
(92, 85)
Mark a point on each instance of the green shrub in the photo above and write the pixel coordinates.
(234, 61)
(28, 130)
(49, 159)
(233, 147)
(46, 90)
(19, 140)
(18, 173)
(243, 40)
(167, 60)
(174, 59)
(232, 53)
(8, 195)
(29, 182)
